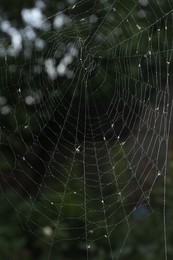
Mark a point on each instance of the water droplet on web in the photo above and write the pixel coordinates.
(157, 108)
(105, 236)
(149, 52)
(82, 19)
(112, 125)
(73, 6)
(119, 197)
(88, 246)
(104, 138)
(91, 231)
(149, 38)
(122, 143)
(139, 65)
(19, 90)
(158, 30)
(118, 137)
(51, 202)
(166, 27)
(139, 27)
(159, 173)
(23, 158)
(47, 230)
(74, 192)
(78, 149)
(168, 62)
(102, 201)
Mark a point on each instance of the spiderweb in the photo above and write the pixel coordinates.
(85, 114)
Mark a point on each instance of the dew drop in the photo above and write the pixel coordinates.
(47, 230)
(159, 173)
(23, 158)
(51, 202)
(88, 246)
(78, 149)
